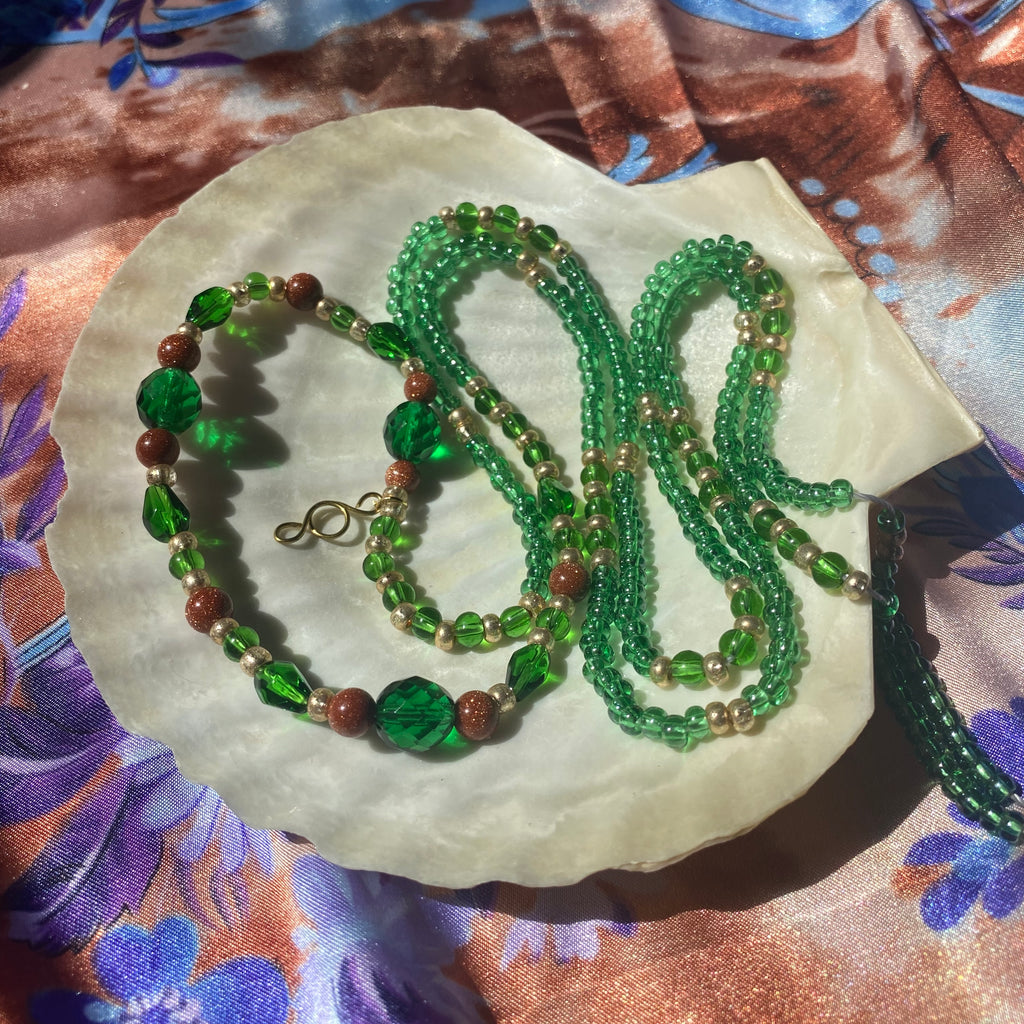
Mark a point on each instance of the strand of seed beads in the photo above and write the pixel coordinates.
(412, 713)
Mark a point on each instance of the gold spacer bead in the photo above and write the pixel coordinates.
(627, 450)
(492, 628)
(594, 455)
(541, 637)
(447, 215)
(535, 276)
(357, 332)
(560, 250)
(563, 603)
(734, 584)
(532, 602)
(485, 217)
(804, 556)
(402, 615)
(677, 414)
(475, 385)
(764, 379)
(753, 265)
(191, 331)
(761, 505)
(253, 659)
(661, 672)
(545, 470)
(161, 474)
(746, 319)
(598, 522)
(779, 527)
(561, 522)
(524, 227)
(751, 624)
(716, 668)
(194, 579)
(500, 411)
(184, 541)
(706, 473)
(385, 581)
(774, 300)
(573, 555)
(603, 556)
(460, 415)
(377, 544)
(691, 445)
(220, 629)
(465, 432)
(718, 718)
(741, 714)
(503, 695)
(856, 585)
(411, 365)
(526, 438)
(444, 635)
(594, 489)
(240, 293)
(276, 288)
(748, 337)
(526, 261)
(719, 501)
(775, 342)
(316, 705)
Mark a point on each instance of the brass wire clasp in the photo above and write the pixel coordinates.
(322, 511)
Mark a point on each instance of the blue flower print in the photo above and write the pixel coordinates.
(148, 976)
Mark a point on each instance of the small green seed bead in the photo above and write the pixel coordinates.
(515, 621)
(376, 564)
(183, 562)
(469, 630)
(258, 285)
(756, 698)
(790, 540)
(696, 722)
(398, 593)
(238, 641)
(841, 494)
(674, 732)
(651, 722)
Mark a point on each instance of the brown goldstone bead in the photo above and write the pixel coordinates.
(157, 447)
(420, 387)
(205, 606)
(303, 291)
(350, 712)
(177, 350)
(569, 579)
(402, 474)
(476, 715)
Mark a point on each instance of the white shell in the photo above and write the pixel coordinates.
(567, 794)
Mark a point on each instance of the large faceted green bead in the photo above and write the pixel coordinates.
(163, 513)
(412, 431)
(210, 308)
(169, 398)
(281, 685)
(554, 499)
(414, 714)
(388, 341)
(527, 669)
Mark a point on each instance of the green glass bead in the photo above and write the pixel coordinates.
(891, 520)
(688, 668)
(770, 360)
(626, 715)
(555, 620)
(412, 431)
(469, 630)
(595, 472)
(554, 499)
(768, 281)
(169, 398)
(711, 490)
(515, 621)
(651, 722)
(386, 526)
(258, 285)
(238, 641)
(527, 669)
(696, 722)
(163, 513)
(568, 538)
(789, 540)
(1011, 828)
(376, 564)
(281, 685)
(680, 432)
(601, 505)
(746, 602)
(398, 593)
(466, 216)
(762, 522)
(486, 399)
(538, 451)
(514, 424)
(776, 321)
(840, 494)
(210, 308)
(343, 317)
(506, 218)
(543, 237)
(828, 570)
(674, 731)
(778, 692)
(598, 539)
(185, 561)
(756, 698)
(413, 714)
(737, 646)
(697, 461)
(388, 341)
(425, 622)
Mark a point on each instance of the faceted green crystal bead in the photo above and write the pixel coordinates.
(281, 685)
(486, 399)
(711, 490)
(386, 526)
(258, 285)
(789, 540)
(555, 620)
(543, 237)
(238, 641)
(746, 602)
(169, 398)
(770, 360)
(768, 281)
(762, 522)
(828, 570)
(398, 593)
(466, 216)
(412, 431)
(538, 451)
(594, 473)
(688, 668)
(527, 669)
(696, 722)
(737, 646)
(183, 562)
(413, 714)
(469, 630)
(515, 621)
(776, 321)
(163, 513)
(210, 308)
(425, 622)
(506, 218)
(388, 341)
(554, 499)
(343, 317)
(376, 564)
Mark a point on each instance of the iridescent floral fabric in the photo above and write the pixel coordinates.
(130, 894)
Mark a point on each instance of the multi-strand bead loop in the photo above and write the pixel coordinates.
(412, 713)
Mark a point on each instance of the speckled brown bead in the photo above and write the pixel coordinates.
(177, 350)
(402, 474)
(157, 447)
(350, 712)
(205, 606)
(569, 579)
(303, 291)
(476, 715)
(420, 387)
